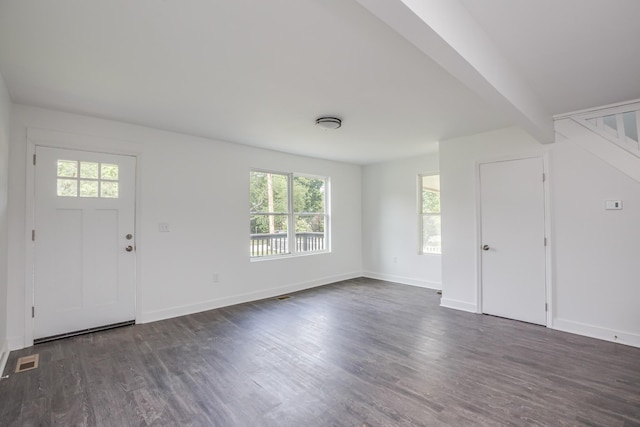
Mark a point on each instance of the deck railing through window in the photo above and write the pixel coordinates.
(276, 243)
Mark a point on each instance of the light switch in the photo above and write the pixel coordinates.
(613, 204)
(163, 227)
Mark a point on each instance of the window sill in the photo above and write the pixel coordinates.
(287, 256)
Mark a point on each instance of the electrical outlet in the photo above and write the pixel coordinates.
(395, 259)
(216, 278)
(163, 227)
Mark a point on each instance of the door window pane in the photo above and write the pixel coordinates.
(67, 168)
(88, 188)
(109, 172)
(88, 170)
(109, 190)
(94, 179)
(67, 188)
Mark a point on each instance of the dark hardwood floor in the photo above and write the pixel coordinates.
(359, 352)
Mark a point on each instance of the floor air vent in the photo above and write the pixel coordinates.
(27, 363)
(283, 297)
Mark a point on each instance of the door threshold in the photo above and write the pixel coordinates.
(83, 332)
(527, 322)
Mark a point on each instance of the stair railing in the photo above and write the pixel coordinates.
(619, 124)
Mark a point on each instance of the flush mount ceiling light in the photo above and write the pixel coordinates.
(328, 122)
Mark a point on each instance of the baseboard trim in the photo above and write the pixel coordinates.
(153, 316)
(402, 280)
(4, 356)
(458, 305)
(626, 338)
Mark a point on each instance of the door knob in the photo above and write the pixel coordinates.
(486, 248)
(128, 248)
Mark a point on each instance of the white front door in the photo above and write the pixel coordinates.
(513, 239)
(84, 240)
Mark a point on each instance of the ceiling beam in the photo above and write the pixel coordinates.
(446, 32)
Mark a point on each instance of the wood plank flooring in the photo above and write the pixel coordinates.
(358, 352)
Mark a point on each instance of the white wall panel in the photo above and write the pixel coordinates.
(597, 250)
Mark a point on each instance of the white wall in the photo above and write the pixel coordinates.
(597, 273)
(390, 227)
(5, 106)
(595, 269)
(200, 187)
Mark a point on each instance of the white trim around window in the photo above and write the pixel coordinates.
(429, 237)
(289, 214)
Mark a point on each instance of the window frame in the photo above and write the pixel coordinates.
(422, 215)
(79, 179)
(291, 216)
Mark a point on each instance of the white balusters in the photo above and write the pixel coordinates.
(619, 124)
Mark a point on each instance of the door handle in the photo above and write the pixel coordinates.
(128, 248)
(486, 248)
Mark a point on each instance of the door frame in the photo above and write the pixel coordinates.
(547, 227)
(71, 141)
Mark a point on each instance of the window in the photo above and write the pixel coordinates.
(429, 187)
(87, 179)
(288, 214)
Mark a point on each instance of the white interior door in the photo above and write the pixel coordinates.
(84, 240)
(513, 245)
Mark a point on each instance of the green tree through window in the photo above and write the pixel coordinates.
(430, 214)
(288, 213)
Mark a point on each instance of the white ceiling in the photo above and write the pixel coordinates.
(260, 73)
(575, 54)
